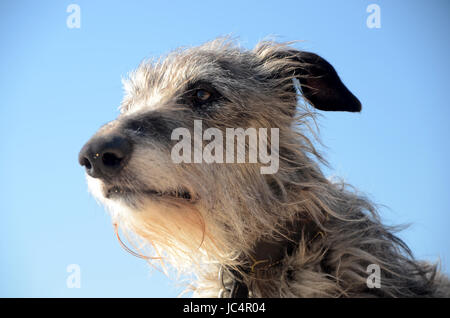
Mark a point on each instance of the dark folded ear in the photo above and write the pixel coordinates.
(322, 86)
(319, 82)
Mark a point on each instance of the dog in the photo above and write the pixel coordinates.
(240, 230)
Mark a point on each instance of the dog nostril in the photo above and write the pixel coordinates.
(110, 159)
(85, 162)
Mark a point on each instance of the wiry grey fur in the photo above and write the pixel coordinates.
(338, 232)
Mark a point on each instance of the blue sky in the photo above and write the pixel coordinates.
(58, 85)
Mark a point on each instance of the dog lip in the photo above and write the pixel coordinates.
(117, 191)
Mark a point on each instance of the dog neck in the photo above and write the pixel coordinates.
(265, 255)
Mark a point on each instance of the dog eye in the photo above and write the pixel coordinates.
(202, 95)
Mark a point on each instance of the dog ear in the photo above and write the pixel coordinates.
(319, 81)
(322, 86)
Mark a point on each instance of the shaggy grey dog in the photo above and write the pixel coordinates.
(238, 231)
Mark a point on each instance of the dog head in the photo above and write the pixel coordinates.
(138, 165)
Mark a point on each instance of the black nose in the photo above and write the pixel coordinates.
(104, 157)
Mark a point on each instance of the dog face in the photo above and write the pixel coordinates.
(129, 161)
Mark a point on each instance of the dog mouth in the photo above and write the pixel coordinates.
(116, 192)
